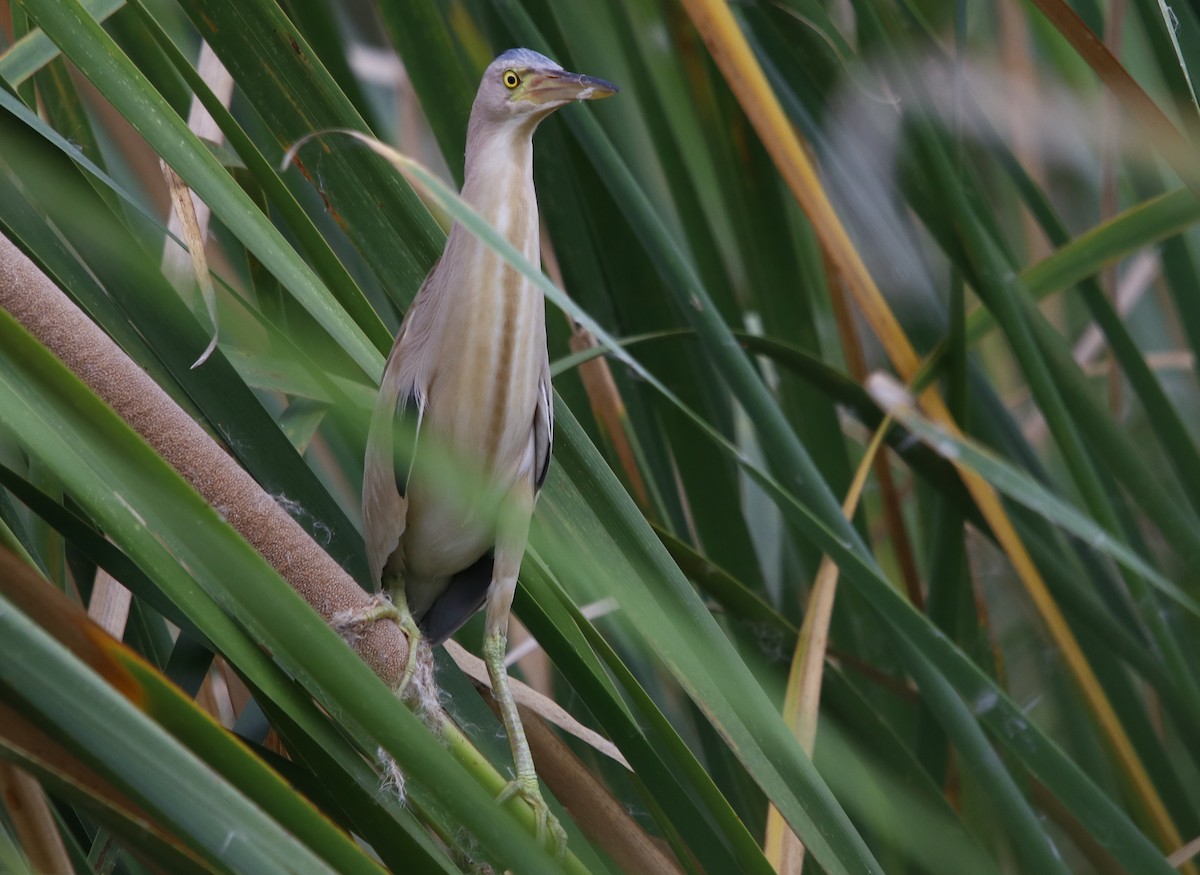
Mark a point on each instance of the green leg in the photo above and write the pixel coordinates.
(511, 535)
(525, 784)
(391, 605)
(404, 619)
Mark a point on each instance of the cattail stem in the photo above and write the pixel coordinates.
(49, 315)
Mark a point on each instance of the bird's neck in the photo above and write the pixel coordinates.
(498, 184)
(494, 319)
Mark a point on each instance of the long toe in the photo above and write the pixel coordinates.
(351, 625)
(548, 826)
(380, 607)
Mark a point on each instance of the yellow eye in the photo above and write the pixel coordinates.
(510, 79)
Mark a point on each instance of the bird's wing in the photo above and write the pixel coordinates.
(543, 429)
(401, 398)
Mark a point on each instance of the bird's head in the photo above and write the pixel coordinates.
(521, 85)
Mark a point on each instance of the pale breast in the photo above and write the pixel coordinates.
(482, 394)
(479, 414)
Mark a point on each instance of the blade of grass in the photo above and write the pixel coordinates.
(294, 95)
(120, 480)
(99, 58)
(731, 51)
(962, 453)
(35, 50)
(325, 261)
(73, 781)
(1001, 714)
(179, 717)
(221, 823)
(802, 696)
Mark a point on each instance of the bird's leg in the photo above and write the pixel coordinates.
(391, 604)
(510, 547)
(404, 619)
(525, 784)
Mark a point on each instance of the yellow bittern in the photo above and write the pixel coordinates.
(470, 369)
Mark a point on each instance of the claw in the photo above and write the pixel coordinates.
(548, 826)
(414, 640)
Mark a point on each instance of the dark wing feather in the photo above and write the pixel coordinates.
(410, 407)
(543, 429)
(463, 596)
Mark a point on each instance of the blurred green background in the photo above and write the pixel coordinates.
(1020, 183)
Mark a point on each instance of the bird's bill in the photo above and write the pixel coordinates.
(558, 87)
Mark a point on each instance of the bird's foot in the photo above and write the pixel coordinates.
(352, 624)
(548, 826)
(380, 607)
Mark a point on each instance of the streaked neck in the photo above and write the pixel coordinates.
(499, 182)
